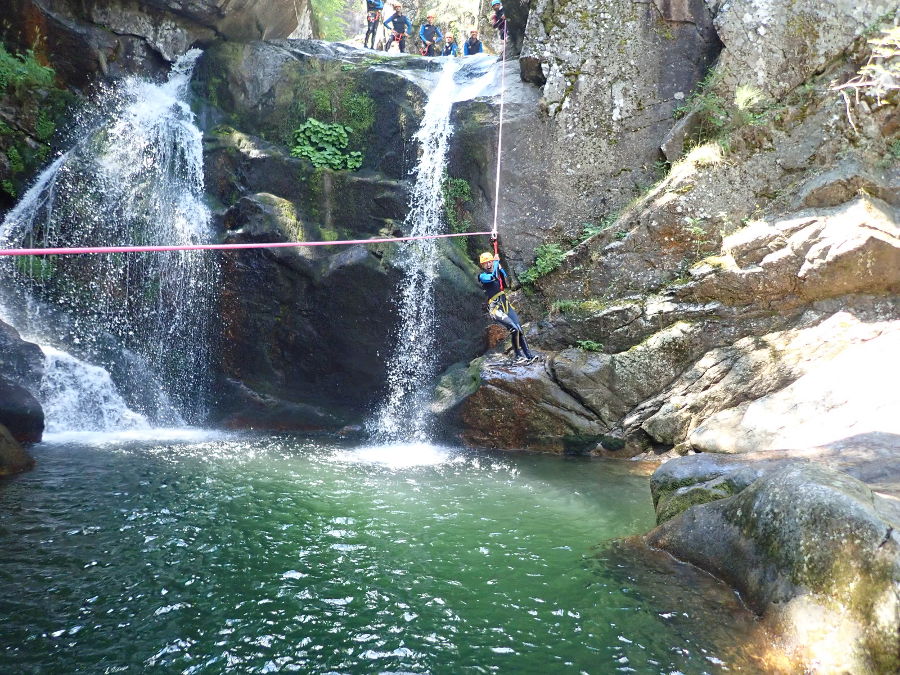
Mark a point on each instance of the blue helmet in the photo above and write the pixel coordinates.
(495, 2)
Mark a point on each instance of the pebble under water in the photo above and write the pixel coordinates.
(194, 553)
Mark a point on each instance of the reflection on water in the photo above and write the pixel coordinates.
(211, 553)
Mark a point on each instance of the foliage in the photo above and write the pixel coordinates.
(32, 104)
(548, 257)
(325, 145)
(44, 127)
(565, 306)
(328, 19)
(588, 230)
(699, 236)
(589, 345)
(22, 72)
(716, 117)
(879, 78)
(39, 268)
(14, 157)
(457, 196)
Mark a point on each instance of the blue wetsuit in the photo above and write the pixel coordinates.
(494, 284)
(430, 33)
(401, 26)
(373, 18)
(471, 46)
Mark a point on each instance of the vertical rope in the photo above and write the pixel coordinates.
(499, 137)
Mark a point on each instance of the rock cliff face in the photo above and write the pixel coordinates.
(751, 256)
(82, 39)
(743, 302)
(308, 332)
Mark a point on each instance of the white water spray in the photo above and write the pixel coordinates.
(134, 176)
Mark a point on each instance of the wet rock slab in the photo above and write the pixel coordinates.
(811, 549)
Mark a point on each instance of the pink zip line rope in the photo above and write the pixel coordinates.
(223, 247)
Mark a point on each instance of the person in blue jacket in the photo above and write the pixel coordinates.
(472, 45)
(430, 35)
(494, 282)
(373, 18)
(400, 26)
(450, 47)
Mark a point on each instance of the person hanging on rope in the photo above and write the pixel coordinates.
(494, 282)
(373, 19)
(473, 44)
(498, 20)
(400, 26)
(430, 35)
(450, 47)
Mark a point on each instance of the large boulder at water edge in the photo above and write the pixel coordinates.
(809, 548)
(309, 332)
(20, 361)
(685, 321)
(13, 459)
(108, 37)
(20, 413)
(21, 368)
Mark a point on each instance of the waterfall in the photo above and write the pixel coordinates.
(77, 395)
(404, 414)
(134, 175)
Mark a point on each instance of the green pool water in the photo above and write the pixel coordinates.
(187, 552)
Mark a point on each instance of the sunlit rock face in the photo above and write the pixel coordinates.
(811, 549)
(611, 75)
(111, 37)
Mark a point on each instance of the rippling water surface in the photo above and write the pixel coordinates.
(196, 553)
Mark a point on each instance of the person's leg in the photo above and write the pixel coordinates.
(519, 335)
(501, 317)
(403, 45)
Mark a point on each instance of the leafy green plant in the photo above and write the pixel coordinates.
(589, 345)
(588, 230)
(548, 257)
(716, 117)
(565, 306)
(22, 71)
(44, 127)
(457, 196)
(16, 163)
(8, 187)
(699, 236)
(39, 268)
(325, 145)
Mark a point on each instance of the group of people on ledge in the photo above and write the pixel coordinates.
(430, 35)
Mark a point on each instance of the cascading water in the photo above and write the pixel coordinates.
(134, 176)
(404, 415)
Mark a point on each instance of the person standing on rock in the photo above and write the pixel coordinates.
(430, 35)
(450, 47)
(494, 283)
(498, 20)
(373, 19)
(473, 44)
(400, 26)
